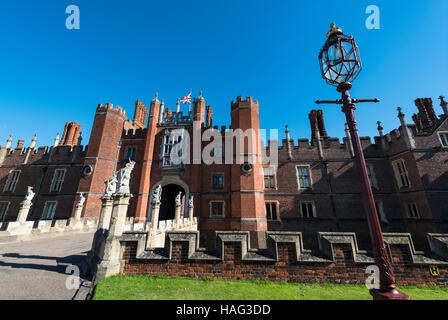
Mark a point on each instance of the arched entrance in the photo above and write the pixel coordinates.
(171, 185)
(169, 194)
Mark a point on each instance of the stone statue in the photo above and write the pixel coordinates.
(125, 177)
(111, 185)
(190, 202)
(81, 200)
(29, 195)
(157, 195)
(178, 201)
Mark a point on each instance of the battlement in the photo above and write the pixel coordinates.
(134, 133)
(242, 103)
(284, 259)
(109, 108)
(16, 156)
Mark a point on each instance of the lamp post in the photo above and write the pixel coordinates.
(340, 63)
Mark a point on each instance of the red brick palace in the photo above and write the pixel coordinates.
(313, 187)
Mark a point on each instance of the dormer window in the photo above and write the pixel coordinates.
(443, 136)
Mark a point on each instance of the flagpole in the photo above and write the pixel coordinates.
(189, 105)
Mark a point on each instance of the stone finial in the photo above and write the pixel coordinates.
(156, 99)
(190, 202)
(380, 128)
(29, 195)
(33, 142)
(178, 106)
(444, 105)
(162, 107)
(20, 143)
(408, 136)
(80, 139)
(56, 140)
(9, 141)
(288, 144)
(200, 96)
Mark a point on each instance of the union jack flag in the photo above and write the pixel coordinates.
(186, 99)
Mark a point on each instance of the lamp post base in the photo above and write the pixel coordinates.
(388, 294)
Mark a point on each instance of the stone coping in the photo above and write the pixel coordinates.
(437, 256)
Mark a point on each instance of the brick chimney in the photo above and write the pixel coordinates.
(317, 124)
(71, 134)
(208, 123)
(140, 114)
(426, 117)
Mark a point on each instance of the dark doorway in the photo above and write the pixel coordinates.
(169, 193)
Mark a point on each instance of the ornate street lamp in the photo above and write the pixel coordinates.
(340, 63)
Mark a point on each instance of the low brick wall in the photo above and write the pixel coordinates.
(285, 259)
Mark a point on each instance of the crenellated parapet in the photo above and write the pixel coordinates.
(109, 108)
(338, 259)
(134, 133)
(42, 155)
(240, 103)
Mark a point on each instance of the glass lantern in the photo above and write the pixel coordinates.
(339, 58)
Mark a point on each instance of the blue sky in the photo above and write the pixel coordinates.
(128, 50)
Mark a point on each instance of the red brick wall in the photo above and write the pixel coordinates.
(341, 270)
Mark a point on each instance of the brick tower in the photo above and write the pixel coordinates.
(101, 156)
(145, 173)
(247, 189)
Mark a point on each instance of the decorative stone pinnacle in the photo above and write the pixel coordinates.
(400, 114)
(156, 99)
(200, 96)
(444, 105)
(379, 125)
(9, 141)
(33, 141)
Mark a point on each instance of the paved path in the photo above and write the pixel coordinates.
(36, 269)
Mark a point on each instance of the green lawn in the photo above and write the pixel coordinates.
(141, 287)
